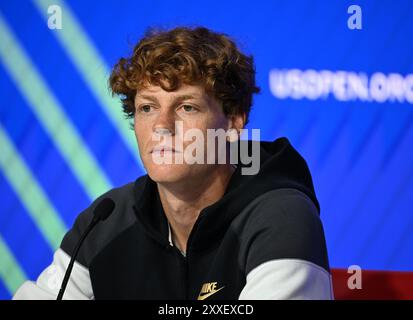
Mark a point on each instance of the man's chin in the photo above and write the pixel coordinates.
(167, 173)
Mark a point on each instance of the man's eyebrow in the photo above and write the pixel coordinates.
(176, 98)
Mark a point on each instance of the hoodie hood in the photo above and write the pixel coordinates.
(281, 166)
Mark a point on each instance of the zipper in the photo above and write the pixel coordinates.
(186, 277)
(183, 261)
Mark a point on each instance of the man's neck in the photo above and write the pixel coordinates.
(183, 204)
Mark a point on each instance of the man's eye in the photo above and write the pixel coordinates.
(145, 108)
(188, 108)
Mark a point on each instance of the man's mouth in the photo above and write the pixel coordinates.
(163, 149)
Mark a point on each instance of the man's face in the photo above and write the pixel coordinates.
(157, 112)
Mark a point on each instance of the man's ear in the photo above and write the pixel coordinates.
(236, 123)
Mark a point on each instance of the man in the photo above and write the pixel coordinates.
(196, 229)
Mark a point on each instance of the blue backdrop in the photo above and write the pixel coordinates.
(343, 96)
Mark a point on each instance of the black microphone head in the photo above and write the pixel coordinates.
(104, 209)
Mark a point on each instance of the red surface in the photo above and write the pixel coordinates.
(391, 285)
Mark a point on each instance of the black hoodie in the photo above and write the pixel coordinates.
(262, 239)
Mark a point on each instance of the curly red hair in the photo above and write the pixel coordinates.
(192, 56)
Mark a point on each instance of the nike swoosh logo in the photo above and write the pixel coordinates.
(206, 295)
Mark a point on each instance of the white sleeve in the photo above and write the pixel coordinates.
(48, 283)
(288, 279)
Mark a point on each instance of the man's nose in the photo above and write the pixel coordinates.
(165, 123)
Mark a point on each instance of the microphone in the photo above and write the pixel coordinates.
(102, 211)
